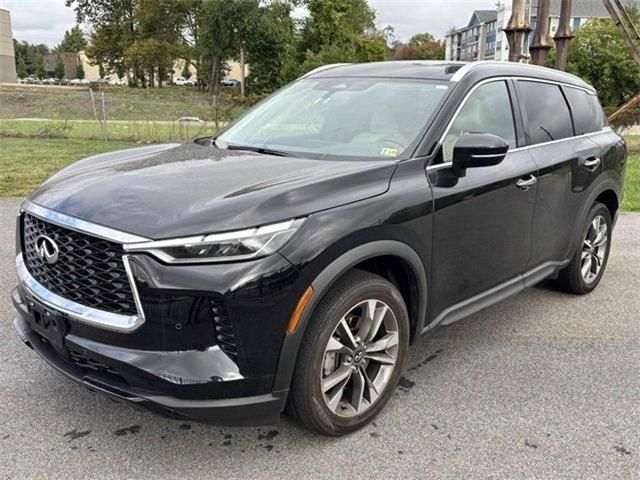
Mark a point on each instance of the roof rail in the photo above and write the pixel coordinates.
(324, 67)
(459, 75)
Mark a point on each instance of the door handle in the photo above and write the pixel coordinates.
(524, 183)
(592, 163)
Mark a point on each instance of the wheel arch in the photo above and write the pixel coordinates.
(608, 193)
(390, 257)
(610, 200)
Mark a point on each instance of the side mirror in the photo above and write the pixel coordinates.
(478, 150)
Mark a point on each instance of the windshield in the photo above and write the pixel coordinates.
(360, 117)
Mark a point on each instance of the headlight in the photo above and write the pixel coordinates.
(221, 247)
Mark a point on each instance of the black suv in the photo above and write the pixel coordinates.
(291, 260)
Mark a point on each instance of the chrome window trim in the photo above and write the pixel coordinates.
(80, 225)
(590, 134)
(82, 313)
(529, 147)
(518, 149)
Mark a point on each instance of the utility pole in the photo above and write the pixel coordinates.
(563, 35)
(541, 41)
(517, 29)
(242, 72)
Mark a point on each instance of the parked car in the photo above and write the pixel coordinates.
(292, 259)
(79, 81)
(183, 82)
(230, 82)
(50, 81)
(117, 81)
(31, 80)
(100, 82)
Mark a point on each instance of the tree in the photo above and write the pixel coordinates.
(340, 31)
(28, 53)
(420, 39)
(79, 68)
(102, 71)
(158, 43)
(73, 41)
(103, 50)
(191, 33)
(59, 68)
(186, 73)
(40, 71)
(22, 68)
(600, 56)
(271, 48)
(221, 26)
(144, 36)
(114, 31)
(422, 46)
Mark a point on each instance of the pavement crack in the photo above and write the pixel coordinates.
(621, 450)
(133, 429)
(75, 434)
(405, 384)
(430, 358)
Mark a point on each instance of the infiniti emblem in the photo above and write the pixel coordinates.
(47, 249)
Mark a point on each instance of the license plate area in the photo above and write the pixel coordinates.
(50, 324)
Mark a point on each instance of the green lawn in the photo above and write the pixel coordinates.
(631, 201)
(120, 104)
(134, 131)
(27, 162)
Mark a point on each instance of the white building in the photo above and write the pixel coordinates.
(462, 44)
(7, 55)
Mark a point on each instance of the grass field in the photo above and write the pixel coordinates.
(134, 131)
(27, 162)
(59, 103)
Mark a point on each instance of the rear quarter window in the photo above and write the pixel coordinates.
(588, 115)
(547, 113)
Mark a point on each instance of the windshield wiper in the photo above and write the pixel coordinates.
(265, 151)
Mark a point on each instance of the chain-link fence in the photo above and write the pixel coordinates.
(115, 114)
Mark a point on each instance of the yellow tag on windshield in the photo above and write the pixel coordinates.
(389, 152)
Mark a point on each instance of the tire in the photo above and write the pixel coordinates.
(345, 306)
(571, 279)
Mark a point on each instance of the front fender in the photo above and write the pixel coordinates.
(323, 282)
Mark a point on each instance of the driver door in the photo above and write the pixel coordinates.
(483, 220)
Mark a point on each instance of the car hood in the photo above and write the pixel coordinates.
(172, 190)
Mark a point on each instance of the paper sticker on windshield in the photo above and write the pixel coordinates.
(389, 152)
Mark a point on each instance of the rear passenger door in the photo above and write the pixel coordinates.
(567, 165)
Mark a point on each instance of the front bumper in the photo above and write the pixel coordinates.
(115, 371)
(205, 344)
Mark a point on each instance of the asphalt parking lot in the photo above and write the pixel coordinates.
(544, 385)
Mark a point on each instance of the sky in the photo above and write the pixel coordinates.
(44, 21)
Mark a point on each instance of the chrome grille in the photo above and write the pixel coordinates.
(89, 270)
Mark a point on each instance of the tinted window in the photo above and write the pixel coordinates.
(547, 112)
(587, 112)
(487, 110)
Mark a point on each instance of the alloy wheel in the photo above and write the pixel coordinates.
(594, 249)
(359, 358)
